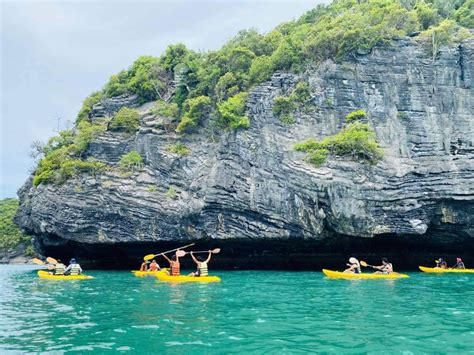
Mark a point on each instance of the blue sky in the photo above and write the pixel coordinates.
(55, 53)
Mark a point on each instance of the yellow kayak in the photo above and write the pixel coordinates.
(440, 271)
(343, 275)
(163, 276)
(46, 275)
(139, 273)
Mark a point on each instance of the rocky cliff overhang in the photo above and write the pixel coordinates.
(252, 193)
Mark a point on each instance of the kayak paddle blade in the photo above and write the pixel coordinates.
(180, 253)
(37, 261)
(51, 260)
(149, 257)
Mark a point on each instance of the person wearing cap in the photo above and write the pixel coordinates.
(385, 268)
(354, 266)
(74, 268)
(459, 264)
(144, 266)
(441, 264)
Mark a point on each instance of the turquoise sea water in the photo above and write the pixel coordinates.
(249, 312)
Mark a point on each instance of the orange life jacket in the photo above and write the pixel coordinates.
(174, 265)
(153, 266)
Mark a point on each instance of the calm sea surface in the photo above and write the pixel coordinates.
(249, 311)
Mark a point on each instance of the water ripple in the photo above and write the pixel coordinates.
(257, 312)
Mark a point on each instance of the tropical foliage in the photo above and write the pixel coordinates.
(126, 119)
(356, 140)
(131, 161)
(62, 155)
(10, 234)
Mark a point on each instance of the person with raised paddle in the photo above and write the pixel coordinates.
(354, 266)
(202, 268)
(174, 262)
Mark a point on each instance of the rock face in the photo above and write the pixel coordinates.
(253, 195)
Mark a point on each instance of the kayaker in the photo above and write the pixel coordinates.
(144, 266)
(201, 263)
(154, 266)
(59, 268)
(385, 268)
(74, 268)
(459, 264)
(354, 266)
(441, 264)
(174, 265)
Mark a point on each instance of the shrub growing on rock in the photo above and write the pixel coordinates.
(131, 161)
(126, 119)
(165, 109)
(356, 140)
(356, 116)
(194, 111)
(179, 148)
(232, 112)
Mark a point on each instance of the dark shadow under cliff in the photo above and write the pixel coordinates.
(405, 252)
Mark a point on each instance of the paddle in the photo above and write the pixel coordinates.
(364, 264)
(152, 256)
(51, 260)
(37, 261)
(215, 251)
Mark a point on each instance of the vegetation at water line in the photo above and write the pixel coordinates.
(10, 235)
(356, 140)
(190, 85)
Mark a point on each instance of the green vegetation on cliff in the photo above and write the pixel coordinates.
(356, 140)
(62, 155)
(335, 31)
(10, 235)
(198, 88)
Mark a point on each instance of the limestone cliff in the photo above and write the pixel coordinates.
(249, 192)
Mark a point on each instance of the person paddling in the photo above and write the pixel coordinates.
(74, 268)
(154, 266)
(354, 266)
(144, 266)
(385, 268)
(59, 268)
(441, 264)
(459, 264)
(174, 264)
(201, 263)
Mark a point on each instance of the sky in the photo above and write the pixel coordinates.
(53, 54)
